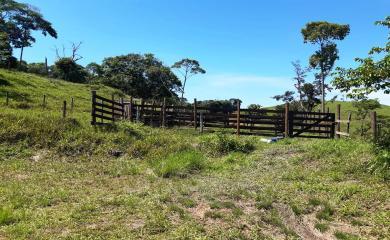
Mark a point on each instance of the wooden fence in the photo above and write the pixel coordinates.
(263, 122)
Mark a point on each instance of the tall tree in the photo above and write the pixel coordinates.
(19, 20)
(324, 34)
(142, 76)
(372, 75)
(187, 68)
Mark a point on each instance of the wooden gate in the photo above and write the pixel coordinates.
(311, 124)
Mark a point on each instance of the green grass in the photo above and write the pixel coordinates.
(60, 180)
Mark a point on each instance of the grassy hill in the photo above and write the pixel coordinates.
(64, 179)
(27, 91)
(346, 107)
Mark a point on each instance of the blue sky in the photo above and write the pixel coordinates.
(245, 46)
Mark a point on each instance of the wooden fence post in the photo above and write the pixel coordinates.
(238, 116)
(374, 126)
(338, 129)
(123, 108)
(93, 108)
(131, 109)
(141, 114)
(6, 98)
(164, 113)
(72, 104)
(195, 114)
(137, 114)
(113, 105)
(286, 120)
(201, 123)
(64, 110)
(332, 128)
(44, 101)
(348, 122)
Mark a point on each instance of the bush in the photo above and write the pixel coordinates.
(180, 164)
(219, 144)
(67, 69)
(381, 164)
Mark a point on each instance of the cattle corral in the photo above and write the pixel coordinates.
(264, 122)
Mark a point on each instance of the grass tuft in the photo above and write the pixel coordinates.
(180, 164)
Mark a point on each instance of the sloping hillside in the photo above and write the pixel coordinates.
(383, 111)
(27, 90)
(64, 179)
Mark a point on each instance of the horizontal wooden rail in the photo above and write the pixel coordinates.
(108, 100)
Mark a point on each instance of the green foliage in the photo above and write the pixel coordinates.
(69, 70)
(220, 144)
(142, 76)
(37, 68)
(218, 105)
(322, 227)
(19, 20)
(254, 106)
(307, 92)
(326, 213)
(6, 216)
(187, 68)
(381, 164)
(180, 164)
(364, 107)
(371, 75)
(5, 49)
(345, 236)
(324, 34)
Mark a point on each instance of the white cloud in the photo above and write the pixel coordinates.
(234, 80)
(383, 98)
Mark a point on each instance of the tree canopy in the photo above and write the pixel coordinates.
(307, 92)
(324, 35)
(372, 75)
(142, 76)
(19, 20)
(187, 68)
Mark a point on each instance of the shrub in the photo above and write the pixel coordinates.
(219, 144)
(6, 216)
(381, 163)
(180, 164)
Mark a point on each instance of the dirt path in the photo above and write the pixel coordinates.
(301, 228)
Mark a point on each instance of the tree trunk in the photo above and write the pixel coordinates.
(184, 86)
(21, 56)
(323, 93)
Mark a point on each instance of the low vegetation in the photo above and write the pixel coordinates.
(62, 178)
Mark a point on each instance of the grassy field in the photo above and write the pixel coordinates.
(64, 179)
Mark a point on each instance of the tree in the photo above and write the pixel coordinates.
(219, 105)
(67, 69)
(5, 49)
(142, 76)
(254, 106)
(94, 69)
(307, 92)
(37, 68)
(287, 97)
(187, 68)
(19, 20)
(324, 35)
(364, 107)
(371, 76)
